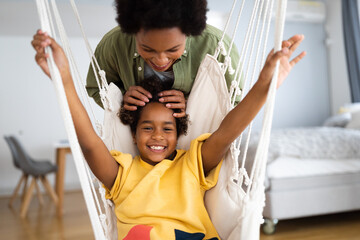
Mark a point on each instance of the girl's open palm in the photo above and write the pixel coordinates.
(288, 48)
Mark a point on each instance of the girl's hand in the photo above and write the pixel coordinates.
(136, 96)
(40, 41)
(288, 47)
(174, 99)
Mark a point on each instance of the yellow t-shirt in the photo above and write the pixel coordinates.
(165, 201)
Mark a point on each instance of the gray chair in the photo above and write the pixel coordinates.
(36, 169)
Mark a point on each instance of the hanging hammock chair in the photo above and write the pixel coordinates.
(235, 204)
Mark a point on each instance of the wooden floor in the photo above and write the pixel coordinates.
(42, 223)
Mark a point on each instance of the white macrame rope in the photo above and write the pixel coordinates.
(69, 54)
(269, 10)
(257, 12)
(220, 44)
(75, 73)
(267, 16)
(263, 145)
(92, 180)
(251, 36)
(75, 148)
(228, 64)
(243, 54)
(235, 172)
(254, 69)
(51, 24)
(105, 222)
(73, 67)
(104, 86)
(254, 41)
(40, 7)
(269, 109)
(90, 51)
(239, 174)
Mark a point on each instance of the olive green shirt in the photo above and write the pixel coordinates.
(117, 56)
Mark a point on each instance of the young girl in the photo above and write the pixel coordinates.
(159, 194)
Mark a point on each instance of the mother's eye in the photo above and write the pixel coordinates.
(173, 50)
(148, 50)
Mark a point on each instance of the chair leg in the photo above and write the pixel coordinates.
(24, 188)
(27, 199)
(41, 200)
(49, 190)
(13, 197)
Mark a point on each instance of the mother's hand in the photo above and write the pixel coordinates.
(136, 96)
(174, 99)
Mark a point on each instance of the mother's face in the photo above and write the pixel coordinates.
(160, 48)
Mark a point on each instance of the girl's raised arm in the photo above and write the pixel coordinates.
(95, 152)
(215, 147)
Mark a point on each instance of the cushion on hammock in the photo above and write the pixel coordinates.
(208, 104)
(113, 127)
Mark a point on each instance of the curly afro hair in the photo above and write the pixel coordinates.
(154, 86)
(188, 15)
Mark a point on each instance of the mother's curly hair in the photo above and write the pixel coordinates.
(154, 86)
(188, 15)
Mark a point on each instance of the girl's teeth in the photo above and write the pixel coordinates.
(157, 147)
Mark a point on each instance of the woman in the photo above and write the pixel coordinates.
(167, 38)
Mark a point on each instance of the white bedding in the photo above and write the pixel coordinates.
(297, 152)
(286, 167)
(312, 171)
(310, 143)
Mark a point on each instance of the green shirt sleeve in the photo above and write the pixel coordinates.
(115, 54)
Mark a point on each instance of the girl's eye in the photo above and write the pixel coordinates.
(168, 129)
(147, 128)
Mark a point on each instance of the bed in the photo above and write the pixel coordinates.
(312, 171)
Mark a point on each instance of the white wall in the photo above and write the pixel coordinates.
(29, 108)
(28, 104)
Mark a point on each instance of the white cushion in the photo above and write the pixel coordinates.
(350, 107)
(355, 121)
(340, 120)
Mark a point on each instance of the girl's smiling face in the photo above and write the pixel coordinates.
(156, 136)
(160, 48)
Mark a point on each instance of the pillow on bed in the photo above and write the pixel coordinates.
(355, 121)
(340, 120)
(350, 107)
